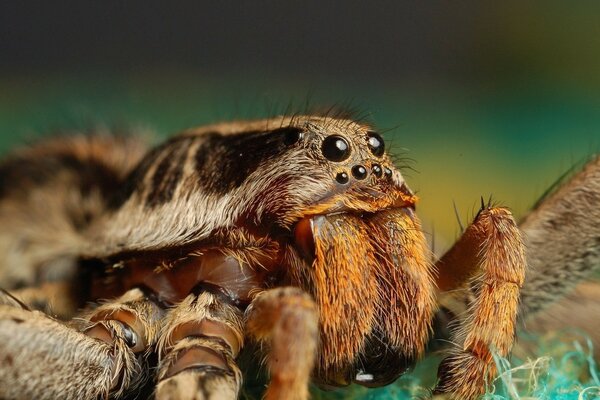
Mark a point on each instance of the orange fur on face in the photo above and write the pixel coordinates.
(404, 274)
(344, 286)
(370, 275)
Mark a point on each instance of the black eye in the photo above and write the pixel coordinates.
(335, 148)
(292, 136)
(342, 178)
(377, 171)
(376, 144)
(359, 172)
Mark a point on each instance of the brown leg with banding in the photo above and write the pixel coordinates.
(58, 299)
(199, 341)
(49, 360)
(286, 320)
(489, 260)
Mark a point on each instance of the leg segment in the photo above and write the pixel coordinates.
(490, 259)
(130, 325)
(286, 320)
(47, 360)
(562, 235)
(563, 239)
(53, 298)
(199, 341)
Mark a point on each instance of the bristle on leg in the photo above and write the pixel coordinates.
(489, 260)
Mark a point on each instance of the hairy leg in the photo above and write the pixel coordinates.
(489, 262)
(286, 321)
(199, 341)
(578, 311)
(58, 299)
(46, 359)
(562, 235)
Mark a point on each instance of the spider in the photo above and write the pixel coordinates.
(294, 240)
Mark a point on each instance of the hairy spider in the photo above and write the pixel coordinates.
(137, 273)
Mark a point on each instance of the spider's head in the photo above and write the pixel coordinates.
(317, 165)
(264, 175)
(354, 228)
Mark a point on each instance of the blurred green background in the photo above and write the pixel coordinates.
(478, 98)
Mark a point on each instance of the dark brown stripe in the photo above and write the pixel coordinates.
(224, 162)
(176, 173)
(168, 173)
(135, 180)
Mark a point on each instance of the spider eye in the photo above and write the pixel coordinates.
(292, 136)
(377, 171)
(335, 148)
(359, 172)
(376, 144)
(342, 178)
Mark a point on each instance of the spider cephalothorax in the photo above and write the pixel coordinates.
(295, 233)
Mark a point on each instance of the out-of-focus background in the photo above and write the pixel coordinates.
(486, 98)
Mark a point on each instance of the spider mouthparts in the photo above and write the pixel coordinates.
(304, 238)
(386, 372)
(335, 378)
(362, 376)
(380, 364)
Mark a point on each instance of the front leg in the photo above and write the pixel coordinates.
(198, 344)
(489, 259)
(286, 320)
(45, 359)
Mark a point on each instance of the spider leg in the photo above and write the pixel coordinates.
(53, 298)
(578, 311)
(46, 359)
(286, 320)
(490, 258)
(562, 235)
(8, 299)
(198, 343)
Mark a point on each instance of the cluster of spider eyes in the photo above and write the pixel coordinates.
(337, 149)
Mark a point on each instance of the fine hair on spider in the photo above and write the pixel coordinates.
(166, 272)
